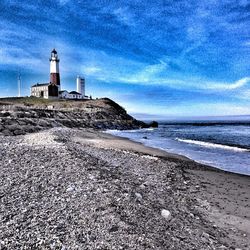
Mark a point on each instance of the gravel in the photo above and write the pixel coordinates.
(59, 194)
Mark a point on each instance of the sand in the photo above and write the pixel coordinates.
(82, 189)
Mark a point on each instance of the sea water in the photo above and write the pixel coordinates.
(225, 145)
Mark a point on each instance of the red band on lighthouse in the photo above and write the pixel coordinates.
(54, 68)
(55, 78)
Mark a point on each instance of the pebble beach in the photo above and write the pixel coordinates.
(65, 188)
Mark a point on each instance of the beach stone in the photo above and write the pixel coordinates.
(166, 214)
(138, 196)
(27, 114)
(205, 235)
(222, 247)
(70, 189)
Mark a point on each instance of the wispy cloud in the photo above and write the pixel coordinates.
(192, 49)
(91, 70)
(228, 86)
(124, 16)
(156, 75)
(63, 2)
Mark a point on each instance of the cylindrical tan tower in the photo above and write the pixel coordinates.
(80, 86)
(54, 69)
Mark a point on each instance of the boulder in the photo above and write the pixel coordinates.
(30, 129)
(43, 123)
(14, 127)
(4, 114)
(153, 124)
(21, 122)
(19, 132)
(6, 132)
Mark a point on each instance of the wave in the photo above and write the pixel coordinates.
(206, 124)
(212, 145)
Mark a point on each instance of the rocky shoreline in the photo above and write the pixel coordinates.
(18, 119)
(71, 189)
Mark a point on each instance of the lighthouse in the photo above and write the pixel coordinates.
(54, 69)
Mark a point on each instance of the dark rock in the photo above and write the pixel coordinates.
(6, 132)
(153, 124)
(19, 132)
(66, 122)
(21, 122)
(14, 127)
(30, 129)
(9, 121)
(4, 114)
(19, 114)
(43, 123)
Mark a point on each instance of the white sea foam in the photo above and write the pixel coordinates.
(110, 131)
(148, 129)
(212, 145)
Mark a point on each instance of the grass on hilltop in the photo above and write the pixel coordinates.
(61, 103)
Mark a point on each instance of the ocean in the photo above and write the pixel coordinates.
(224, 145)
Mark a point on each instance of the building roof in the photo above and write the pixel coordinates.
(40, 84)
(75, 93)
(63, 91)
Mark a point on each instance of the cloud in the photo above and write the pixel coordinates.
(146, 75)
(63, 2)
(243, 3)
(91, 70)
(245, 95)
(199, 48)
(17, 57)
(124, 16)
(228, 86)
(156, 75)
(246, 43)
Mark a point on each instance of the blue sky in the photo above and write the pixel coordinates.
(163, 58)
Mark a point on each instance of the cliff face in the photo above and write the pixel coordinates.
(20, 116)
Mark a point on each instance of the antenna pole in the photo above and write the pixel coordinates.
(19, 84)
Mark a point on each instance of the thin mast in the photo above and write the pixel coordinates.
(19, 84)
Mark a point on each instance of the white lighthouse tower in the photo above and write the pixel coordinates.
(54, 69)
(80, 86)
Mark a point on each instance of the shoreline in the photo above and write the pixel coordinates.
(169, 155)
(82, 188)
(180, 156)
